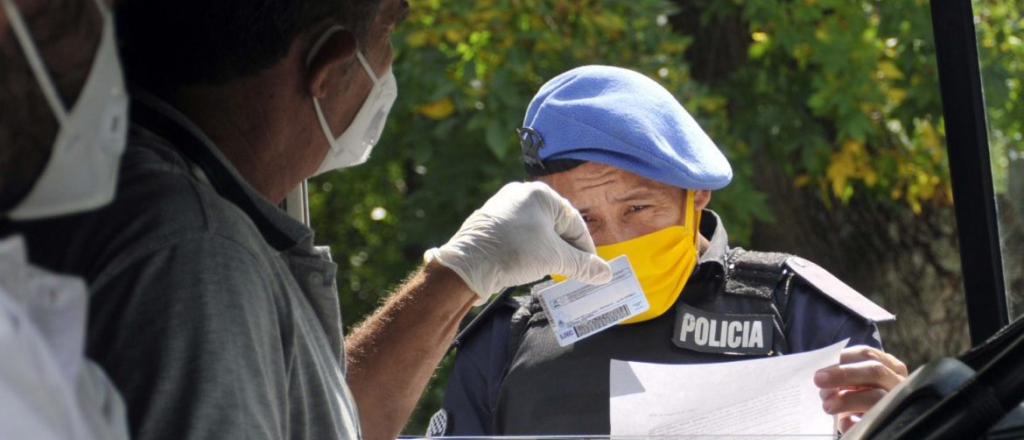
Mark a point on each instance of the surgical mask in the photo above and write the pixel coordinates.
(81, 173)
(354, 145)
(662, 260)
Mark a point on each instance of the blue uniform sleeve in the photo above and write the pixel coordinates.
(814, 321)
(473, 386)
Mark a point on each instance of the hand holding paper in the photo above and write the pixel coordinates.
(774, 395)
(865, 375)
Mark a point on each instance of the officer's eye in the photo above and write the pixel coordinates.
(637, 208)
(587, 218)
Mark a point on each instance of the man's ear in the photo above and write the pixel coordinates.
(701, 197)
(336, 51)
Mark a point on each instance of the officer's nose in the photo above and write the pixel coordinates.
(613, 233)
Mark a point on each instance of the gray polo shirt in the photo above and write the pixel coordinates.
(210, 308)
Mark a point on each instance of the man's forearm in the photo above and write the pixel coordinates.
(393, 354)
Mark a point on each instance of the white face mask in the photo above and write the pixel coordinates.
(354, 145)
(82, 171)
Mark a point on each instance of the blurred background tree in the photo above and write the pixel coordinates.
(828, 110)
(840, 100)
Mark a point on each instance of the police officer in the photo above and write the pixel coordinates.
(641, 171)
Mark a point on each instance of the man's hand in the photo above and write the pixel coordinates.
(864, 375)
(524, 232)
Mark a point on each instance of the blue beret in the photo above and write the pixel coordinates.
(621, 118)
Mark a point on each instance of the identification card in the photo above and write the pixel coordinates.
(577, 310)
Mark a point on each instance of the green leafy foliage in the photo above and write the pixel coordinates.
(847, 92)
(1001, 49)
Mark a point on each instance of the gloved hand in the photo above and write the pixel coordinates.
(524, 232)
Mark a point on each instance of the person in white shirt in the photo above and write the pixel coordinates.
(48, 390)
(59, 152)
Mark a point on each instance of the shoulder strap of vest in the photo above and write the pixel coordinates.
(500, 302)
(517, 331)
(517, 328)
(759, 275)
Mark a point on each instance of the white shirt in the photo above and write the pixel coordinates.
(48, 390)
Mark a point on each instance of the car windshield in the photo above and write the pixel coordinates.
(829, 112)
(1001, 51)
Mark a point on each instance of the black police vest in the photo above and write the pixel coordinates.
(556, 390)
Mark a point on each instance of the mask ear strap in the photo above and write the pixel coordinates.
(104, 10)
(693, 216)
(35, 61)
(320, 42)
(691, 221)
(359, 54)
(368, 69)
(316, 102)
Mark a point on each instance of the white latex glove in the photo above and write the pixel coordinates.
(523, 233)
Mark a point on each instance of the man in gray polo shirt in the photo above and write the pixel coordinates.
(211, 309)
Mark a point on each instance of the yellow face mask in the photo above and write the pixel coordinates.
(662, 260)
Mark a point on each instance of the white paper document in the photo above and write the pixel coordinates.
(577, 310)
(769, 396)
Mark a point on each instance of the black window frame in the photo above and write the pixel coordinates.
(970, 166)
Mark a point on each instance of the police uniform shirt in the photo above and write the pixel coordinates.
(478, 397)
